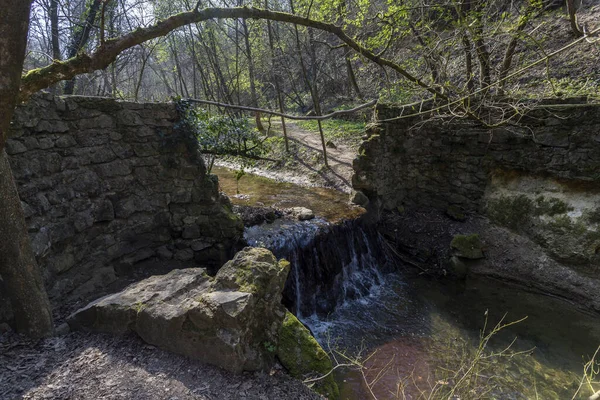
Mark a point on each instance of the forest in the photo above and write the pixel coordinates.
(161, 160)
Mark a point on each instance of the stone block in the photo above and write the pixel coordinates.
(230, 321)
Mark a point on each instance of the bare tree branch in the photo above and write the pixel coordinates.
(41, 78)
(288, 116)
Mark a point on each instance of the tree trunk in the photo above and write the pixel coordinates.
(315, 93)
(259, 125)
(575, 28)
(352, 77)
(20, 272)
(54, 29)
(481, 49)
(276, 79)
(80, 39)
(510, 49)
(18, 268)
(468, 62)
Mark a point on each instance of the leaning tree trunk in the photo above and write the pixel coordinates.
(18, 268)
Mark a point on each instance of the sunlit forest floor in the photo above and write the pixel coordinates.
(98, 366)
(304, 164)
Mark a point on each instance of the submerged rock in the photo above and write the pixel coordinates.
(231, 321)
(302, 213)
(303, 357)
(255, 215)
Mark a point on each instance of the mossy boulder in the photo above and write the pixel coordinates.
(254, 270)
(467, 246)
(303, 357)
(232, 320)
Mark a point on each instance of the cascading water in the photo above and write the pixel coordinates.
(416, 329)
(331, 264)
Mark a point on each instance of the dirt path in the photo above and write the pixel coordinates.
(339, 158)
(306, 167)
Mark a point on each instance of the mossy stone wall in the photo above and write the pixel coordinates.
(107, 186)
(416, 162)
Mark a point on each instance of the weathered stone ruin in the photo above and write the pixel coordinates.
(537, 181)
(109, 186)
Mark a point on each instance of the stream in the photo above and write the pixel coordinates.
(413, 335)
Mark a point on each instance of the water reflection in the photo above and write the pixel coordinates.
(415, 336)
(255, 190)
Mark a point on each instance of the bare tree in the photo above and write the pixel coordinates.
(18, 268)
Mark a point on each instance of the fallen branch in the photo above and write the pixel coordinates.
(238, 154)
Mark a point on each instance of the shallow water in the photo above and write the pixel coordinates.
(253, 190)
(414, 328)
(418, 332)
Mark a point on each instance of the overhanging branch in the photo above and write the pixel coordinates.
(104, 55)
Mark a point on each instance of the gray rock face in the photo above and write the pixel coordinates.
(359, 198)
(231, 321)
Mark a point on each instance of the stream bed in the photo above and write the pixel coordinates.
(414, 335)
(418, 332)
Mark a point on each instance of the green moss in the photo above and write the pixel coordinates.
(467, 246)
(139, 307)
(303, 357)
(593, 216)
(551, 206)
(511, 212)
(456, 213)
(563, 224)
(247, 278)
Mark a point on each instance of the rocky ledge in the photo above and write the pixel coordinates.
(231, 320)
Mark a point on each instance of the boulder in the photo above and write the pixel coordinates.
(231, 320)
(256, 215)
(304, 358)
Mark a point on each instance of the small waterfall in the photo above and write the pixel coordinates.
(331, 264)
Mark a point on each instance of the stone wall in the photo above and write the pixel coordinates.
(441, 163)
(107, 185)
(540, 180)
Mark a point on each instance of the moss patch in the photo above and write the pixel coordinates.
(511, 212)
(551, 206)
(593, 216)
(456, 213)
(300, 353)
(467, 246)
(515, 212)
